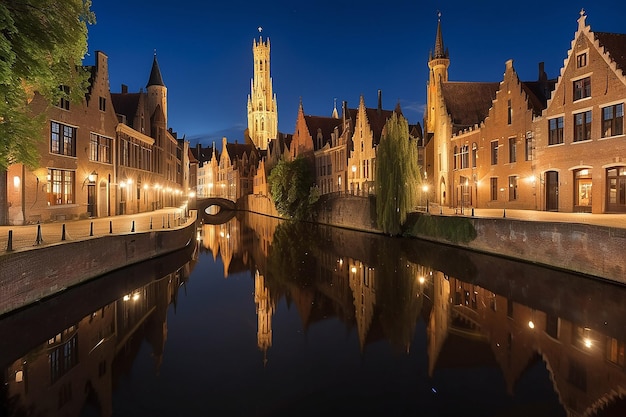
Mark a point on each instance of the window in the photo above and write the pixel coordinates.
(512, 188)
(529, 149)
(64, 101)
(60, 187)
(493, 185)
(62, 139)
(100, 148)
(581, 60)
(102, 103)
(474, 154)
(494, 152)
(464, 156)
(613, 120)
(555, 135)
(512, 150)
(582, 88)
(582, 126)
(509, 113)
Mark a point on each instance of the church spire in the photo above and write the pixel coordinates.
(440, 51)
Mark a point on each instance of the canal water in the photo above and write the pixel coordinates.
(267, 318)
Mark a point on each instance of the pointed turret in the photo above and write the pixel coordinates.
(157, 92)
(155, 74)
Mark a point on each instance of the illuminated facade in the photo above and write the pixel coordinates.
(262, 108)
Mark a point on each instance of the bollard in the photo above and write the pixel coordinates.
(162, 222)
(39, 239)
(132, 228)
(10, 242)
(63, 232)
(150, 222)
(504, 213)
(110, 226)
(168, 220)
(440, 210)
(472, 211)
(91, 229)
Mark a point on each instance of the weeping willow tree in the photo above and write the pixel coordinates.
(397, 175)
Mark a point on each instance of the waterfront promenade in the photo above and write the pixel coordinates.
(34, 236)
(27, 237)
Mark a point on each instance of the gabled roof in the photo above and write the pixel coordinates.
(326, 125)
(615, 46)
(126, 104)
(468, 103)
(237, 150)
(538, 93)
(377, 119)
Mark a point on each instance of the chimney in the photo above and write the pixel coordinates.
(124, 89)
(380, 101)
(542, 73)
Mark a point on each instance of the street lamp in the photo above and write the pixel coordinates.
(425, 192)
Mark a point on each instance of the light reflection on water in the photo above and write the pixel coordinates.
(266, 318)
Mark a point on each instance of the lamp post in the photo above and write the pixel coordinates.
(504, 201)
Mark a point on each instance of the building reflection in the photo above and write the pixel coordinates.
(78, 367)
(479, 311)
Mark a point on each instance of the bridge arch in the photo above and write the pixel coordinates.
(226, 209)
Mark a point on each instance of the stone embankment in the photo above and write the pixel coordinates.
(28, 275)
(590, 244)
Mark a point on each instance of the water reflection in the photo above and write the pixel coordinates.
(58, 360)
(480, 311)
(553, 341)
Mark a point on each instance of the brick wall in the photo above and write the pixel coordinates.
(28, 276)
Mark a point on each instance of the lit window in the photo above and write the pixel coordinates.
(555, 131)
(582, 126)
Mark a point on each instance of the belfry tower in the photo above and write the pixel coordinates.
(262, 110)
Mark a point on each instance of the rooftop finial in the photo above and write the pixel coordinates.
(154, 51)
(438, 15)
(260, 29)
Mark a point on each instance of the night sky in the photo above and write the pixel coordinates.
(322, 51)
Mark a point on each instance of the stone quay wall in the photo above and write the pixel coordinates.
(27, 276)
(581, 248)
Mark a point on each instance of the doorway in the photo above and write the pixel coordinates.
(552, 191)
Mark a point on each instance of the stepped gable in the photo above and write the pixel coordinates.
(325, 125)
(615, 46)
(468, 103)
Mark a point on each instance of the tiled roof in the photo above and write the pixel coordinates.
(237, 150)
(468, 103)
(126, 104)
(324, 124)
(615, 45)
(538, 93)
(377, 119)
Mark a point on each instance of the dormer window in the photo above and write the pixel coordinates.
(582, 88)
(581, 60)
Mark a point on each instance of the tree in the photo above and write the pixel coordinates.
(397, 175)
(292, 188)
(42, 44)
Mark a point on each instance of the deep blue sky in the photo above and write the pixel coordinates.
(326, 50)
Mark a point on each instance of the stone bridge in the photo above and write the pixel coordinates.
(216, 210)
